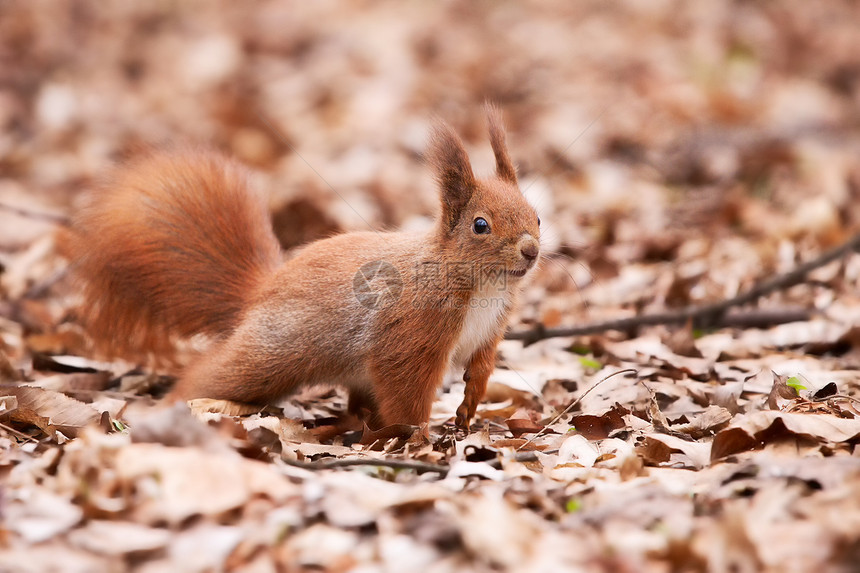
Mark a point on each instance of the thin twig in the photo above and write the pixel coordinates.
(12, 430)
(529, 456)
(420, 467)
(842, 397)
(759, 318)
(38, 215)
(763, 317)
(704, 315)
(574, 403)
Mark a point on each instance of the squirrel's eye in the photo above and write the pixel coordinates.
(538, 221)
(480, 226)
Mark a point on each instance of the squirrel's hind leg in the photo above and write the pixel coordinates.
(363, 405)
(406, 389)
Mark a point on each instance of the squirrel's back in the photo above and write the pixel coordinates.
(175, 244)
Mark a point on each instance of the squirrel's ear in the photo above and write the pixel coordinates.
(504, 166)
(449, 160)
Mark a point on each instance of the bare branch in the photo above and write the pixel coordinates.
(709, 315)
(420, 467)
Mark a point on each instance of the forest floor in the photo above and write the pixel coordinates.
(679, 154)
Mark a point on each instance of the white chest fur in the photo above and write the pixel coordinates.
(483, 320)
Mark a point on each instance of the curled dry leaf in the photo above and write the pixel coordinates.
(727, 396)
(68, 364)
(761, 428)
(172, 426)
(195, 482)
(577, 450)
(119, 537)
(706, 423)
(826, 391)
(602, 426)
(113, 406)
(51, 411)
(516, 444)
(520, 426)
(277, 434)
(660, 449)
(498, 393)
(780, 389)
(200, 406)
(41, 515)
(302, 450)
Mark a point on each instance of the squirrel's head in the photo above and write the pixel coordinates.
(485, 222)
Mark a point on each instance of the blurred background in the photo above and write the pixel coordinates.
(676, 151)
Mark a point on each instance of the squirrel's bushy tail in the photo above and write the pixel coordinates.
(172, 246)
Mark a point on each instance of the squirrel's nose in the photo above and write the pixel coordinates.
(530, 250)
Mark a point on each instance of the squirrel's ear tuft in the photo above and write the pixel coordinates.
(448, 158)
(504, 166)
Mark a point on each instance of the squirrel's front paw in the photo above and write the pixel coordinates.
(465, 413)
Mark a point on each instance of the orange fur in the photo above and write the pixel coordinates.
(477, 374)
(177, 245)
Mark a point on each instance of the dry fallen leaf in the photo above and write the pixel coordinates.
(658, 449)
(265, 430)
(194, 482)
(8, 404)
(51, 411)
(599, 427)
(780, 389)
(119, 538)
(41, 515)
(200, 406)
(520, 426)
(759, 428)
(706, 423)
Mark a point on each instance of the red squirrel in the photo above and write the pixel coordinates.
(176, 244)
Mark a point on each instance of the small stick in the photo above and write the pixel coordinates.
(420, 467)
(574, 403)
(12, 430)
(752, 319)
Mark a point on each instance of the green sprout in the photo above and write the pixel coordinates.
(794, 382)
